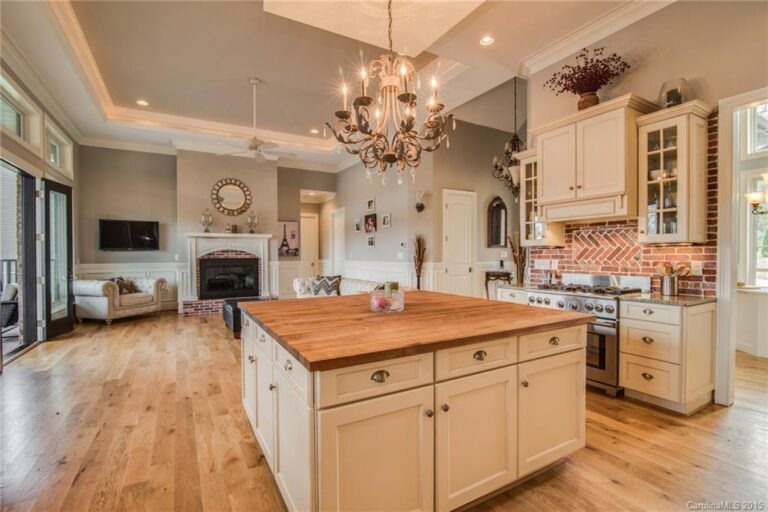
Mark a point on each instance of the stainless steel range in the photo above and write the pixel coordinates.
(596, 295)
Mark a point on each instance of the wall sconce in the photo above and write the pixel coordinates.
(420, 202)
(755, 199)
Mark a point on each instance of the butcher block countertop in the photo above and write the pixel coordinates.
(334, 332)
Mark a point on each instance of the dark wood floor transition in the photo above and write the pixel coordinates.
(146, 415)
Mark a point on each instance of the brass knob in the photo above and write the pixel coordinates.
(525, 383)
(554, 340)
(272, 387)
(578, 187)
(251, 359)
(570, 188)
(647, 376)
(380, 376)
(648, 339)
(480, 355)
(288, 365)
(262, 338)
(429, 413)
(445, 407)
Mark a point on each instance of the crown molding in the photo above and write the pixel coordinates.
(32, 81)
(610, 23)
(127, 146)
(630, 100)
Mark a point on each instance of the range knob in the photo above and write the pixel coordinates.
(531, 300)
(599, 308)
(538, 300)
(560, 304)
(588, 306)
(573, 306)
(609, 309)
(547, 301)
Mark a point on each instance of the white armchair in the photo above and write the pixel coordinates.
(102, 300)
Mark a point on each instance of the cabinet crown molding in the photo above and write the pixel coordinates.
(695, 107)
(630, 100)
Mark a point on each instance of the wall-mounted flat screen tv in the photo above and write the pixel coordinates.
(129, 235)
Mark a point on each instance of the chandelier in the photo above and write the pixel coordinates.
(508, 170)
(383, 131)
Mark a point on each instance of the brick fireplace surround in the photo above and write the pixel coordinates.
(612, 247)
(210, 306)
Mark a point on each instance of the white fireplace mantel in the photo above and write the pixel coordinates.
(200, 244)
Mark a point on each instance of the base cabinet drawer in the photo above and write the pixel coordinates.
(651, 339)
(378, 454)
(509, 295)
(551, 407)
(464, 360)
(263, 341)
(295, 373)
(650, 312)
(655, 378)
(475, 436)
(534, 346)
(354, 383)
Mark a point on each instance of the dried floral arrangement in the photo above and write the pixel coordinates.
(419, 256)
(593, 70)
(519, 256)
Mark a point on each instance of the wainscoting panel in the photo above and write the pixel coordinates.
(171, 272)
(283, 274)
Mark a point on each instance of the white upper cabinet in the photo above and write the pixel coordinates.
(673, 174)
(534, 231)
(587, 162)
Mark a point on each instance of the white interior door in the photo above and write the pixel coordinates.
(459, 241)
(310, 246)
(337, 241)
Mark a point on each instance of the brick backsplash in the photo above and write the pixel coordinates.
(612, 247)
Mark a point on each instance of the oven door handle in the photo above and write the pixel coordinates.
(607, 328)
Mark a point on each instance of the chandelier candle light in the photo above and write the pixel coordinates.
(382, 131)
(508, 171)
(755, 199)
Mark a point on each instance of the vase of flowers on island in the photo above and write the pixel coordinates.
(593, 70)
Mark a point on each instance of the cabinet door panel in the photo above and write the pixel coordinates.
(476, 438)
(249, 380)
(265, 403)
(557, 165)
(378, 454)
(294, 461)
(602, 155)
(551, 409)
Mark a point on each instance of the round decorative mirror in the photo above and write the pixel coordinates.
(231, 196)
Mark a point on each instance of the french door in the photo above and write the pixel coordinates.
(59, 300)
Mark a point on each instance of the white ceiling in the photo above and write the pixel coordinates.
(192, 60)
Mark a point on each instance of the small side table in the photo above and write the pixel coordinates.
(496, 275)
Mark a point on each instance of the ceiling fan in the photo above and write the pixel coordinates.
(259, 148)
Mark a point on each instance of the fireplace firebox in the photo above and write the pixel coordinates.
(224, 278)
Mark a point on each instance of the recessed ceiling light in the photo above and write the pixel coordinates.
(314, 131)
(142, 103)
(487, 40)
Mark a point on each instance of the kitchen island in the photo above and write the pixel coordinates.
(428, 409)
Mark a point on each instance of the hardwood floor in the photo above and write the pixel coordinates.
(146, 415)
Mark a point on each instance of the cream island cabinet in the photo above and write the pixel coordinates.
(587, 162)
(402, 415)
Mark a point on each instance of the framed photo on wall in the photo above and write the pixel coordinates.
(371, 241)
(370, 223)
(358, 225)
(386, 220)
(289, 245)
(370, 205)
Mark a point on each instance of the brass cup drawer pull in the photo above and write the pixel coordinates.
(380, 376)
(554, 340)
(648, 311)
(288, 365)
(647, 339)
(647, 376)
(480, 355)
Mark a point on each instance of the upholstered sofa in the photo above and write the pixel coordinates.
(102, 300)
(304, 286)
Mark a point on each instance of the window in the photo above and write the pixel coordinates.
(53, 152)
(754, 124)
(58, 149)
(757, 238)
(10, 116)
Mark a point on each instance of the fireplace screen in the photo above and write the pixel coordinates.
(228, 278)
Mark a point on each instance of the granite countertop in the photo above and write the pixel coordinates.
(657, 298)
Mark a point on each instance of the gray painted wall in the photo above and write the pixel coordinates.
(721, 48)
(196, 173)
(130, 185)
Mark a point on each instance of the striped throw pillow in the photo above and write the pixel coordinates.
(327, 285)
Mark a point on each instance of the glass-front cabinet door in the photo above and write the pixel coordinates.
(672, 165)
(534, 231)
